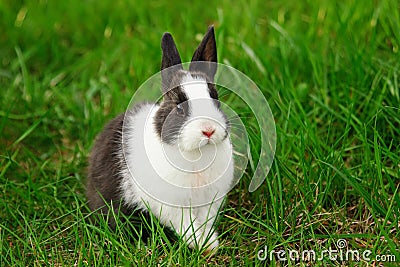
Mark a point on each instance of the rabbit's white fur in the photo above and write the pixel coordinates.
(145, 157)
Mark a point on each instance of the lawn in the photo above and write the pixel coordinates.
(330, 72)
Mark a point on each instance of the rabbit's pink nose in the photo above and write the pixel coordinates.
(208, 132)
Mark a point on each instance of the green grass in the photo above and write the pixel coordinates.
(330, 72)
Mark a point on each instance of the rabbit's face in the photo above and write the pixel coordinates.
(190, 115)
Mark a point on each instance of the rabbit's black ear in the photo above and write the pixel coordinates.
(206, 51)
(170, 57)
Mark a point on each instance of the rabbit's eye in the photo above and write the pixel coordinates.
(179, 109)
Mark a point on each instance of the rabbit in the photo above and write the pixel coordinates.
(173, 159)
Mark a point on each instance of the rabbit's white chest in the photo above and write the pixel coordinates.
(157, 175)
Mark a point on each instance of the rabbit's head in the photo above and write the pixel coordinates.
(189, 115)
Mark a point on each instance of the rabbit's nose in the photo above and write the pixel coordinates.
(208, 132)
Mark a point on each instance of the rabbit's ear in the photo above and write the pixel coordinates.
(171, 61)
(170, 55)
(206, 51)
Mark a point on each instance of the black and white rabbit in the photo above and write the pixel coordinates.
(173, 158)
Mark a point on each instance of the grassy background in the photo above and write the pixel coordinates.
(330, 72)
